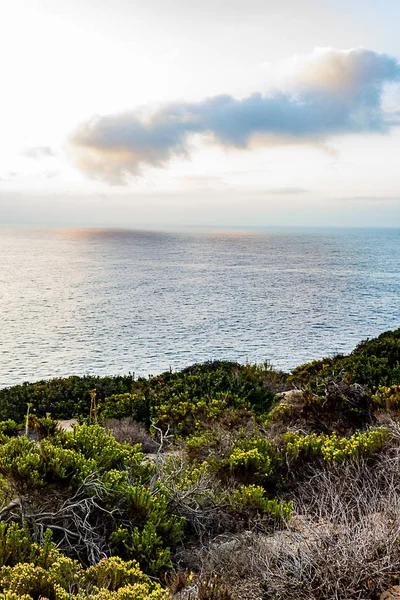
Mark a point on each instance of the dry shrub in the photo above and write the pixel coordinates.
(238, 559)
(208, 587)
(211, 588)
(129, 431)
(178, 581)
(343, 542)
(338, 406)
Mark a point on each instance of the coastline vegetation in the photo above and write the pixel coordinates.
(218, 482)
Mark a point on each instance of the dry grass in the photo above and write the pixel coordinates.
(343, 542)
(131, 432)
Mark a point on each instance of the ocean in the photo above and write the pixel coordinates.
(118, 301)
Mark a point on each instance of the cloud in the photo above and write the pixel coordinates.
(51, 174)
(38, 152)
(327, 93)
(369, 199)
(287, 191)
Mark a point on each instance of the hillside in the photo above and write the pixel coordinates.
(219, 482)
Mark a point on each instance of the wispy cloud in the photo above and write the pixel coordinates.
(38, 152)
(327, 93)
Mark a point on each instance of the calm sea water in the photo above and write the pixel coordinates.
(111, 301)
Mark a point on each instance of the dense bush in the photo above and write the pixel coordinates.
(253, 459)
(334, 448)
(62, 398)
(140, 398)
(30, 571)
(252, 499)
(374, 363)
(70, 457)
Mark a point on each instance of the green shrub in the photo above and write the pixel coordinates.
(334, 448)
(280, 413)
(299, 446)
(64, 579)
(20, 461)
(187, 414)
(45, 426)
(119, 406)
(358, 445)
(68, 457)
(154, 507)
(199, 446)
(28, 571)
(145, 546)
(387, 398)
(252, 459)
(15, 544)
(152, 532)
(9, 428)
(62, 398)
(31, 465)
(374, 363)
(93, 442)
(114, 573)
(253, 498)
(63, 464)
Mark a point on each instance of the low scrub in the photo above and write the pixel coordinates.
(215, 483)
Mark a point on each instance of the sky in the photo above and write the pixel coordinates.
(164, 113)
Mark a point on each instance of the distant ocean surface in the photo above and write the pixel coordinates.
(116, 301)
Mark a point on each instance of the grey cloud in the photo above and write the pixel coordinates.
(38, 152)
(331, 92)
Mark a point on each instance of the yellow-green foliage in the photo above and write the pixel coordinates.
(144, 545)
(20, 461)
(31, 465)
(137, 591)
(387, 397)
(153, 506)
(188, 476)
(253, 456)
(333, 448)
(280, 412)
(201, 445)
(249, 460)
(12, 596)
(358, 445)
(114, 574)
(252, 497)
(119, 406)
(229, 475)
(155, 532)
(93, 442)
(65, 579)
(188, 414)
(44, 426)
(9, 427)
(298, 445)
(31, 571)
(16, 546)
(68, 456)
